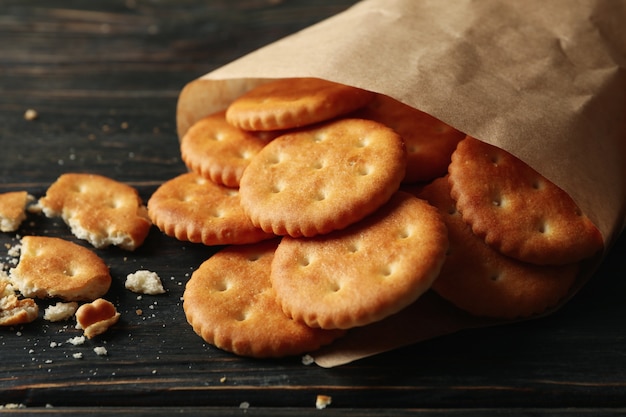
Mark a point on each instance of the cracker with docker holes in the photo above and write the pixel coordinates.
(294, 102)
(323, 178)
(516, 210)
(50, 267)
(219, 151)
(230, 303)
(482, 281)
(98, 209)
(364, 273)
(13, 209)
(429, 142)
(192, 208)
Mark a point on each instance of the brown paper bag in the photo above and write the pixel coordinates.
(543, 79)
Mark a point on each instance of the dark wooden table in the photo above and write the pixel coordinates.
(104, 77)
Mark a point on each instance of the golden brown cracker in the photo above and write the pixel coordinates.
(15, 310)
(96, 317)
(294, 102)
(429, 141)
(316, 180)
(98, 209)
(364, 273)
(192, 208)
(516, 210)
(231, 304)
(54, 267)
(218, 150)
(484, 282)
(13, 209)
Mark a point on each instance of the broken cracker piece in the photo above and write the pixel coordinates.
(13, 209)
(60, 311)
(322, 401)
(31, 114)
(96, 317)
(54, 267)
(144, 282)
(98, 209)
(14, 310)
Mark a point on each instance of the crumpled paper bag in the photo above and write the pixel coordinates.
(543, 79)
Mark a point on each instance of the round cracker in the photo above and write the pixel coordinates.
(294, 102)
(231, 304)
(429, 141)
(192, 208)
(516, 210)
(365, 272)
(54, 267)
(219, 151)
(316, 180)
(482, 281)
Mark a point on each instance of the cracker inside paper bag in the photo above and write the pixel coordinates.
(544, 80)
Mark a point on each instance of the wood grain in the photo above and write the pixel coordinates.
(104, 77)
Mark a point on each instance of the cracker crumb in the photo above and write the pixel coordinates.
(223, 379)
(78, 340)
(144, 282)
(308, 360)
(322, 401)
(100, 351)
(244, 405)
(14, 251)
(34, 208)
(60, 311)
(77, 355)
(31, 114)
(12, 406)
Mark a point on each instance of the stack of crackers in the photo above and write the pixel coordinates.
(338, 207)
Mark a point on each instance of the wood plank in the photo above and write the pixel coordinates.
(311, 411)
